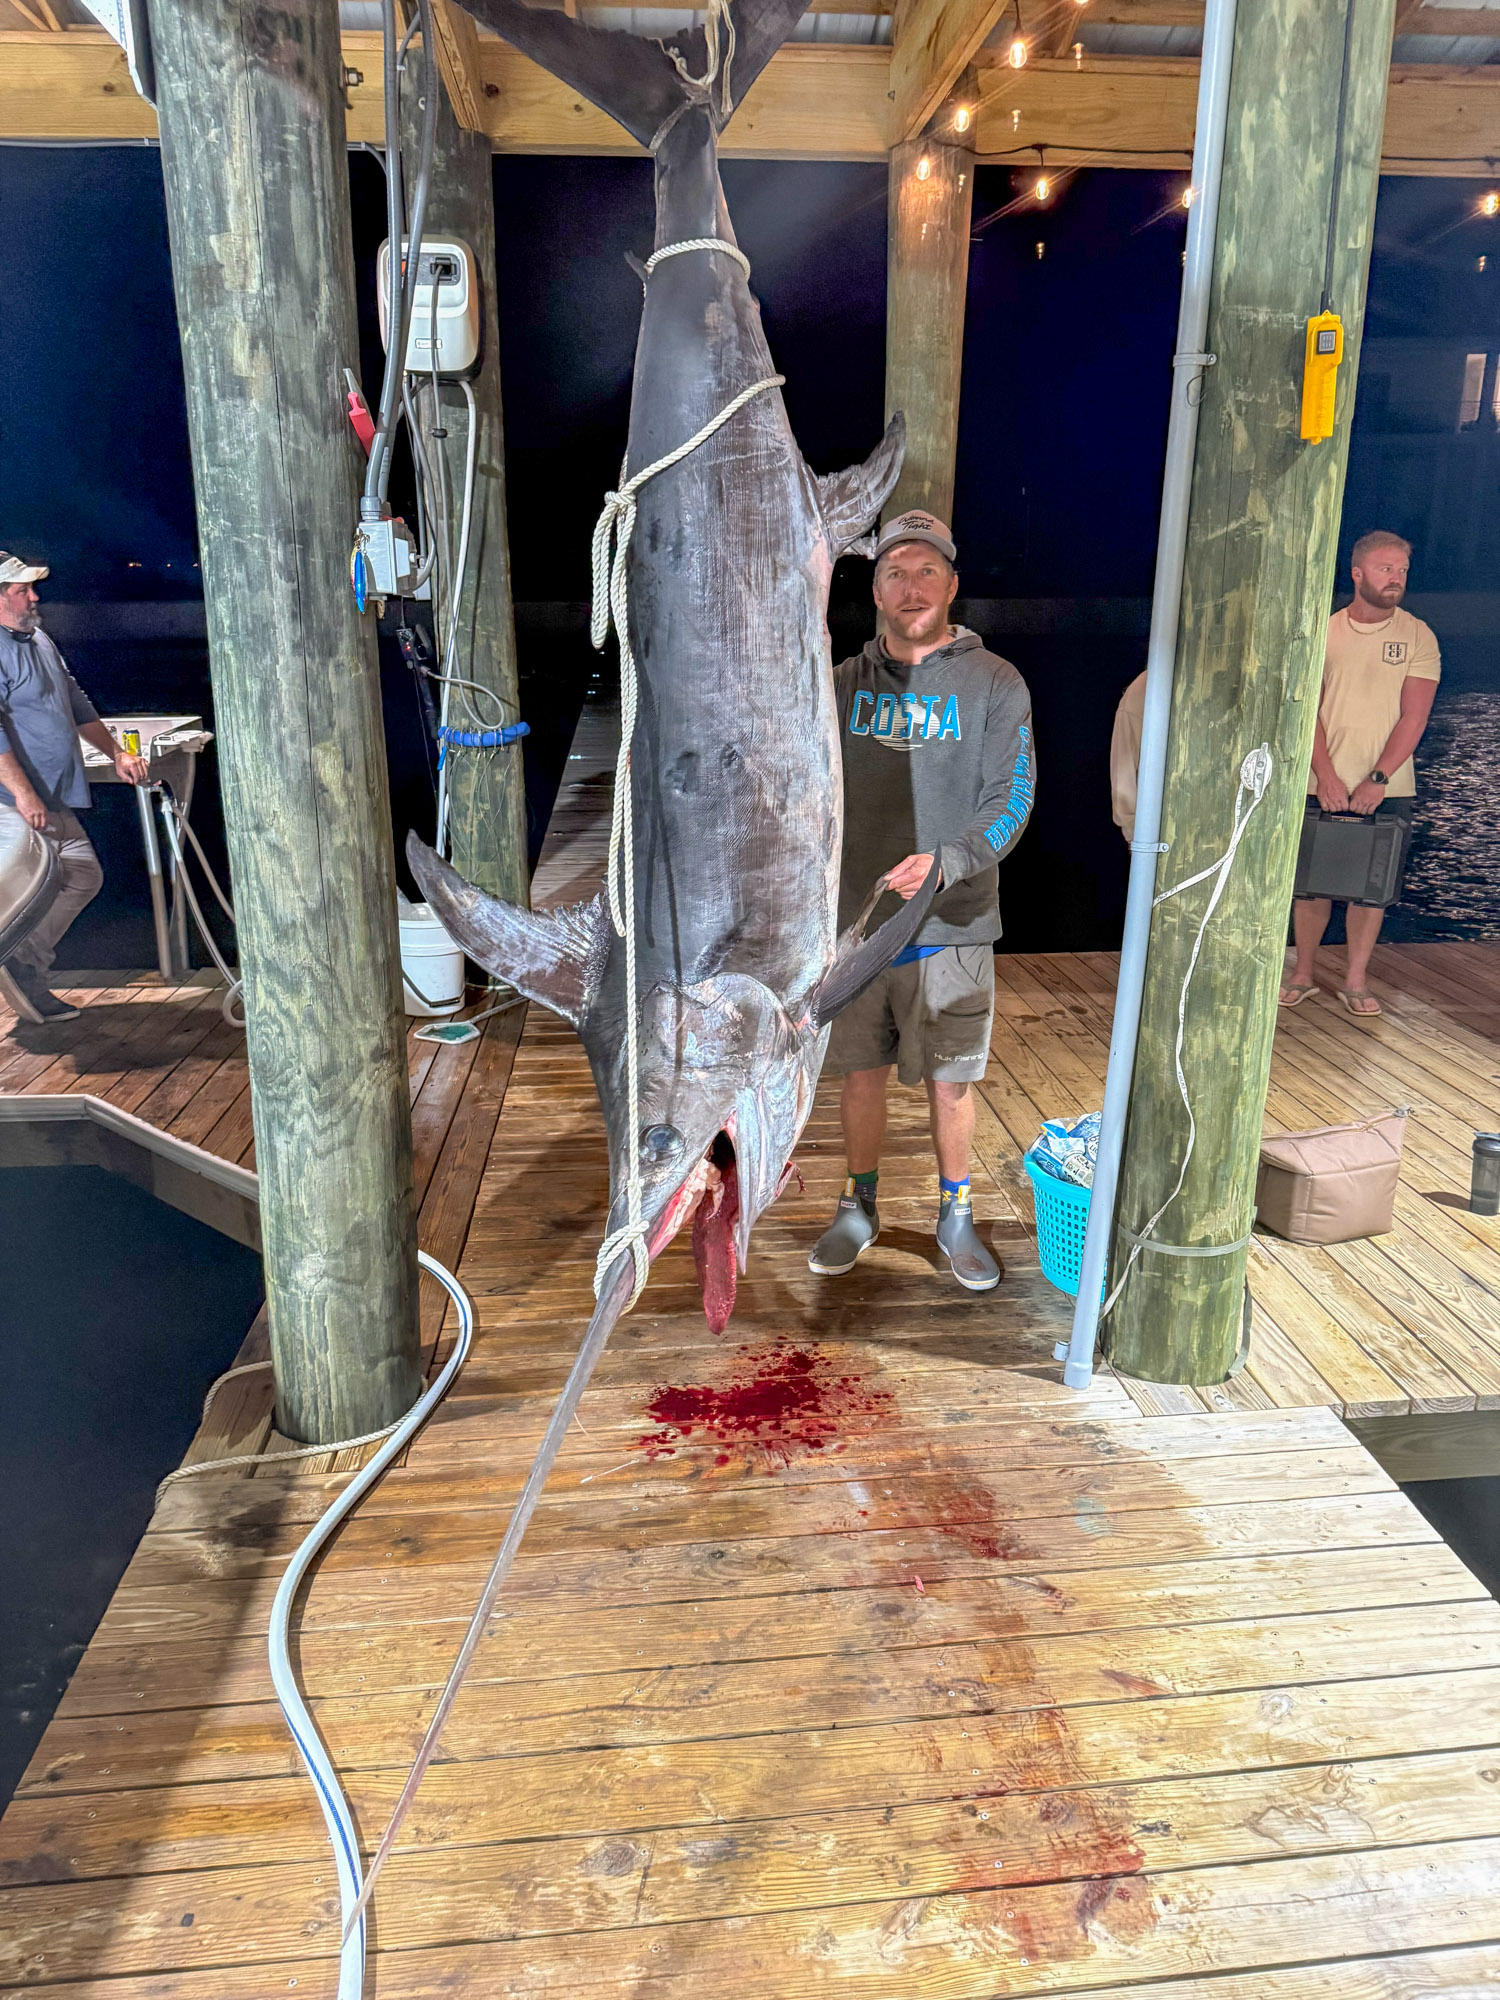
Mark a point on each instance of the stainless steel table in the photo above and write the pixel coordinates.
(171, 744)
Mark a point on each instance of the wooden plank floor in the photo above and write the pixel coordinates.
(849, 1653)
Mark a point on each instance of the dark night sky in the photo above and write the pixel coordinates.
(1066, 375)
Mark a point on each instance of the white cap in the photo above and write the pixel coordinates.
(14, 570)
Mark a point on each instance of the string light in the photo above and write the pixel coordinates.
(924, 167)
(1078, 55)
(961, 118)
(1490, 204)
(1187, 197)
(1015, 119)
(1481, 264)
(1041, 251)
(1018, 54)
(1043, 188)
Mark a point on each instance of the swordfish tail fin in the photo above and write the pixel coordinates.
(644, 84)
(555, 956)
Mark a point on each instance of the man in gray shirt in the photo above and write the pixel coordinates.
(937, 761)
(43, 714)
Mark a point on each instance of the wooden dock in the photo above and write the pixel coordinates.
(850, 1653)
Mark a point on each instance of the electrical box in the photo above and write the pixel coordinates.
(1322, 354)
(444, 330)
(384, 562)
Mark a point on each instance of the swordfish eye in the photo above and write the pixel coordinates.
(661, 1143)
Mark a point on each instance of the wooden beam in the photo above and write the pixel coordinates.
(1129, 112)
(263, 271)
(934, 41)
(458, 59)
(811, 103)
(485, 788)
(927, 270)
(1263, 526)
(814, 102)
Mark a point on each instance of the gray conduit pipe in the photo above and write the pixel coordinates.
(1188, 365)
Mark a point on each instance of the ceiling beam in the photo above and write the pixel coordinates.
(814, 101)
(933, 42)
(1119, 111)
(458, 58)
(811, 102)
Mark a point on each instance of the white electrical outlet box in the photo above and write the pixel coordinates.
(444, 330)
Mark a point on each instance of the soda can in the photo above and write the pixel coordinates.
(130, 742)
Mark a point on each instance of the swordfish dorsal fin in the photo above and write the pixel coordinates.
(851, 500)
(635, 80)
(555, 956)
(858, 965)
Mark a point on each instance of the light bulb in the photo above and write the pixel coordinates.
(1490, 205)
(1187, 197)
(1018, 54)
(961, 118)
(1481, 264)
(1041, 251)
(1015, 119)
(924, 168)
(1043, 188)
(1078, 55)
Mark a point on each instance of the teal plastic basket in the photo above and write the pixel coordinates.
(1062, 1216)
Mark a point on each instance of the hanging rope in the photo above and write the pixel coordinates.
(612, 604)
(718, 34)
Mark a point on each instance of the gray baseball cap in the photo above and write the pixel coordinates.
(14, 570)
(916, 525)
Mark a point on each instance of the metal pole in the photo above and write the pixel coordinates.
(1188, 364)
(158, 887)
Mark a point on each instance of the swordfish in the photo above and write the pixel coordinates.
(735, 770)
(735, 776)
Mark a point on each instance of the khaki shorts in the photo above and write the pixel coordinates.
(931, 1018)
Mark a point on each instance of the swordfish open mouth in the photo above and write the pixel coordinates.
(711, 1195)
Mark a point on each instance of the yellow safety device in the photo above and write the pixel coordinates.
(1320, 372)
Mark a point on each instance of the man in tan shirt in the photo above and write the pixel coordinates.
(1380, 673)
(1125, 754)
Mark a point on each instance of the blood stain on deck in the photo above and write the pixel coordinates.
(788, 1399)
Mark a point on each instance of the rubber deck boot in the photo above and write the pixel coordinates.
(854, 1228)
(42, 1003)
(969, 1261)
(19, 1001)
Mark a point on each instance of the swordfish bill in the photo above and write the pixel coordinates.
(735, 772)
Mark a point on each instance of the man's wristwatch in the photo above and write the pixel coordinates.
(1379, 778)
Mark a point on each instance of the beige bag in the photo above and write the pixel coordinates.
(1333, 1184)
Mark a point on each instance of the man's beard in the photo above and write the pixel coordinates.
(916, 626)
(1383, 600)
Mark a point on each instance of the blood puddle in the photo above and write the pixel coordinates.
(789, 1400)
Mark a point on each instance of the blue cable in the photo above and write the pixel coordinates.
(479, 739)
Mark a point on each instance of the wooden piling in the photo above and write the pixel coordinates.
(486, 787)
(1260, 569)
(257, 185)
(927, 276)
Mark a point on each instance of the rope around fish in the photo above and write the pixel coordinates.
(612, 604)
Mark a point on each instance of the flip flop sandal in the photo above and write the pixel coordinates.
(1350, 994)
(1294, 993)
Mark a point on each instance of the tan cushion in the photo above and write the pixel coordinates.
(1332, 1184)
(29, 880)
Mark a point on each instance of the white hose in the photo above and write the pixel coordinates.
(314, 1754)
(174, 818)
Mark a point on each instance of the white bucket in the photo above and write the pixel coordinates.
(432, 965)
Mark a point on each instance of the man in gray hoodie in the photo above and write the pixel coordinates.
(937, 761)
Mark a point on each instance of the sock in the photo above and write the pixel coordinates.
(864, 1186)
(952, 1194)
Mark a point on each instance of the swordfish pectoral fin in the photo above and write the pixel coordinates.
(554, 956)
(859, 965)
(851, 500)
